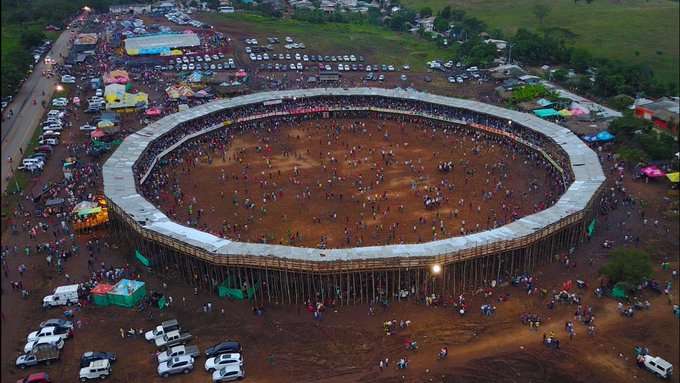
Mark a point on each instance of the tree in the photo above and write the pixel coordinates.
(425, 12)
(31, 38)
(446, 12)
(541, 10)
(440, 24)
(630, 266)
(580, 59)
(559, 75)
(457, 15)
(626, 126)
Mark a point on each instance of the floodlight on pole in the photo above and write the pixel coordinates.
(436, 269)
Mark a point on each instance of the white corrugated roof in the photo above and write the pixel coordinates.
(119, 182)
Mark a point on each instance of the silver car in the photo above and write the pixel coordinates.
(183, 364)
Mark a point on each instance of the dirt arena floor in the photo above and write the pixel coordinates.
(346, 183)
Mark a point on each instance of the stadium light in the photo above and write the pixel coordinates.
(59, 88)
(87, 9)
(436, 269)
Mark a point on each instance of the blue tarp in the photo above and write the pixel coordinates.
(603, 136)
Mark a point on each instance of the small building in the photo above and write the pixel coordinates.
(329, 76)
(85, 42)
(134, 9)
(500, 44)
(426, 23)
(663, 113)
(530, 79)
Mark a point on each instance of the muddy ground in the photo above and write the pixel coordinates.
(287, 345)
(348, 183)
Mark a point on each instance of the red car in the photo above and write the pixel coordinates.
(39, 377)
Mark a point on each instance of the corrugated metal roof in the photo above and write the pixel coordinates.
(119, 183)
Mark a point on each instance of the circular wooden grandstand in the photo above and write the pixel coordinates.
(286, 274)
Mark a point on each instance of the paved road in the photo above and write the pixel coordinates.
(18, 130)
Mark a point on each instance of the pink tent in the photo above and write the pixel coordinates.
(652, 171)
(241, 73)
(153, 112)
(97, 134)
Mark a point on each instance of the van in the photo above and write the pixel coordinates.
(658, 366)
(49, 141)
(62, 295)
(98, 369)
(32, 162)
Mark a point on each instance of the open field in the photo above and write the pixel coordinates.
(376, 44)
(612, 29)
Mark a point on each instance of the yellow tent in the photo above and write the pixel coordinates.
(104, 124)
(673, 177)
(565, 113)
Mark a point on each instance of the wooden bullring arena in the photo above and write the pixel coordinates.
(288, 274)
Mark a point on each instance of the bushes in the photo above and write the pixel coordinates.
(531, 92)
(639, 142)
(629, 266)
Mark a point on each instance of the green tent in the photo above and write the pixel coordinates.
(101, 300)
(591, 228)
(546, 113)
(225, 291)
(162, 303)
(127, 293)
(619, 292)
(142, 259)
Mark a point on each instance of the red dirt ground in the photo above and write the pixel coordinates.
(287, 345)
(359, 176)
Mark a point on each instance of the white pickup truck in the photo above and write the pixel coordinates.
(172, 338)
(160, 330)
(178, 351)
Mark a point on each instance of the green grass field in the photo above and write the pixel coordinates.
(376, 44)
(612, 29)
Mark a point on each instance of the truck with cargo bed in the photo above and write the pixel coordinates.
(43, 353)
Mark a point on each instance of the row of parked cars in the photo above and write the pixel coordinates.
(224, 360)
(304, 57)
(51, 132)
(45, 344)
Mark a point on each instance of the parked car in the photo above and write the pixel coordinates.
(177, 351)
(172, 338)
(91, 356)
(49, 141)
(38, 377)
(62, 295)
(98, 369)
(44, 353)
(62, 332)
(56, 340)
(67, 79)
(179, 364)
(229, 373)
(160, 330)
(223, 360)
(224, 347)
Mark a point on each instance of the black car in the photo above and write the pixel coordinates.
(92, 356)
(222, 348)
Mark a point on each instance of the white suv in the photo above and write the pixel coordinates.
(98, 369)
(229, 373)
(183, 364)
